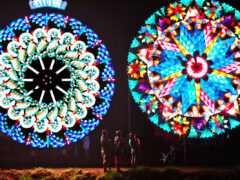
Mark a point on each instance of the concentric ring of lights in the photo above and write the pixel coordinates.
(60, 40)
(184, 68)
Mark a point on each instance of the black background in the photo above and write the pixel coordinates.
(116, 22)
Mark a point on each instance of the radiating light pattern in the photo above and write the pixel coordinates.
(184, 68)
(42, 56)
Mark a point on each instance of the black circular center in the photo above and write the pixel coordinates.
(48, 80)
(51, 79)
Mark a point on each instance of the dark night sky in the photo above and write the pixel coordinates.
(116, 23)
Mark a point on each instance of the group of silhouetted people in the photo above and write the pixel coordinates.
(117, 148)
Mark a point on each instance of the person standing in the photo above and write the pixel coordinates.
(106, 146)
(86, 146)
(138, 147)
(133, 147)
(118, 149)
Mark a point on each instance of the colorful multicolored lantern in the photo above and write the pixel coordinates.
(184, 68)
(56, 80)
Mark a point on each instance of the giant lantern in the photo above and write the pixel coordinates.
(56, 80)
(184, 68)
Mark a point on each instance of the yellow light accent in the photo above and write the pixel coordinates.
(216, 72)
(210, 46)
(184, 51)
(197, 87)
(177, 74)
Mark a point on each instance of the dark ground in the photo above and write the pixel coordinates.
(164, 173)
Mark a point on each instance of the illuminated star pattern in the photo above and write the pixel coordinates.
(192, 68)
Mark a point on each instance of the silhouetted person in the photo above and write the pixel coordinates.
(106, 146)
(133, 145)
(118, 148)
(138, 149)
(86, 146)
